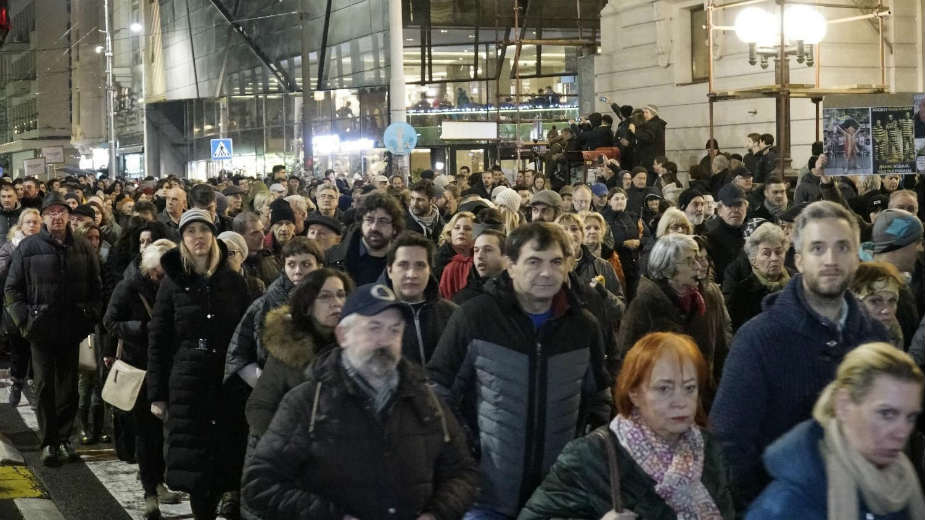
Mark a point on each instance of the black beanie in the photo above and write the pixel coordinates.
(281, 210)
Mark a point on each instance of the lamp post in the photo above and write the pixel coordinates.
(793, 31)
(110, 95)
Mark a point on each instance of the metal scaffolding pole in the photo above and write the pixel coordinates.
(308, 100)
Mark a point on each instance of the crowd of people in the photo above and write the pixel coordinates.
(485, 345)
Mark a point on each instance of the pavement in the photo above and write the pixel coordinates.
(99, 487)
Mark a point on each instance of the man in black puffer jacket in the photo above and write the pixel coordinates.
(364, 436)
(53, 296)
(408, 273)
(535, 360)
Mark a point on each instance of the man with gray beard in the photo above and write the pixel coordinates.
(692, 203)
(364, 436)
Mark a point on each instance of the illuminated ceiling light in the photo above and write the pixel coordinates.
(135, 27)
(98, 49)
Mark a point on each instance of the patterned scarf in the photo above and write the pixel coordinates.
(676, 469)
(772, 286)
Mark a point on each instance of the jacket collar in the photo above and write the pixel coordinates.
(431, 292)
(501, 288)
(790, 306)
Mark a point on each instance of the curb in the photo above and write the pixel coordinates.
(9, 455)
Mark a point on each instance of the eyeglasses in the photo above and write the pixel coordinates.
(381, 221)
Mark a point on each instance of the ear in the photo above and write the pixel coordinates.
(635, 397)
(842, 403)
(798, 261)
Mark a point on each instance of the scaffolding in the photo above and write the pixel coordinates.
(516, 37)
(782, 90)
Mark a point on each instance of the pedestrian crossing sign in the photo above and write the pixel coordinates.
(221, 149)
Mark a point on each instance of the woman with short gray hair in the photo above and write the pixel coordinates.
(766, 249)
(674, 297)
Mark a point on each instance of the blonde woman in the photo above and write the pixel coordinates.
(454, 254)
(595, 230)
(847, 461)
(30, 223)
(188, 338)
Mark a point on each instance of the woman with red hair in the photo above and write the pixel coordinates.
(667, 466)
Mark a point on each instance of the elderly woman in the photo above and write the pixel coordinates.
(127, 317)
(668, 465)
(454, 255)
(673, 298)
(876, 285)
(847, 461)
(188, 337)
(766, 249)
(672, 221)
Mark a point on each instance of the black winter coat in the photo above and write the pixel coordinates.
(424, 322)
(724, 244)
(578, 485)
(8, 219)
(187, 341)
(743, 291)
(325, 455)
(289, 351)
(346, 257)
(127, 318)
(246, 345)
(650, 141)
(522, 393)
(53, 290)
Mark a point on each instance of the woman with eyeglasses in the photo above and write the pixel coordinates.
(674, 297)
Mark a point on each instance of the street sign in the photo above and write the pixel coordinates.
(400, 138)
(221, 149)
(34, 167)
(53, 154)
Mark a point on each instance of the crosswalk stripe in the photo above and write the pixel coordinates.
(119, 478)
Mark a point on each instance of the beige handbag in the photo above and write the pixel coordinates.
(86, 354)
(124, 381)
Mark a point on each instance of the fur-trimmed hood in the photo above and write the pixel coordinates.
(293, 346)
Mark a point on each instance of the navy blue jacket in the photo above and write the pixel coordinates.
(778, 365)
(800, 488)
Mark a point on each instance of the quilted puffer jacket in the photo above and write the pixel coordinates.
(188, 336)
(522, 393)
(53, 289)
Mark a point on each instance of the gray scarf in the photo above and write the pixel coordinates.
(379, 398)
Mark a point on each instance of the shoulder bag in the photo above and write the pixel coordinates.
(124, 381)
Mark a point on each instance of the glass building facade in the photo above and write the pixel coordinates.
(236, 67)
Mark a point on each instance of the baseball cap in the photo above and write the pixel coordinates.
(894, 229)
(731, 195)
(369, 300)
(599, 189)
(277, 188)
(877, 203)
(547, 197)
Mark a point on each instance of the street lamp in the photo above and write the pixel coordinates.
(803, 28)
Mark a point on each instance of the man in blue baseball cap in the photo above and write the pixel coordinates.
(362, 413)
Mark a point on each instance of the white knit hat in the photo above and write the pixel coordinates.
(508, 198)
(234, 241)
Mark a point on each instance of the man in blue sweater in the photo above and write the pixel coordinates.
(782, 359)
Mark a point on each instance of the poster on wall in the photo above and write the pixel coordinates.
(919, 131)
(893, 144)
(847, 141)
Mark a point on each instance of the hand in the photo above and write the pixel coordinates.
(624, 142)
(159, 409)
(108, 361)
(427, 516)
(632, 243)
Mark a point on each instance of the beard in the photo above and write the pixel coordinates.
(380, 363)
(830, 290)
(696, 219)
(375, 239)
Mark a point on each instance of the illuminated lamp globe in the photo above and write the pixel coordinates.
(803, 23)
(754, 25)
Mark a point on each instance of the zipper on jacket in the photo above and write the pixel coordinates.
(417, 329)
(536, 458)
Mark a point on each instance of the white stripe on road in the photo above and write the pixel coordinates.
(38, 509)
(119, 478)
